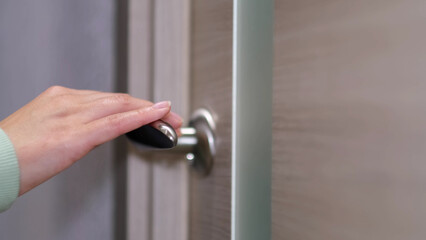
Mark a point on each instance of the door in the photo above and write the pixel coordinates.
(211, 58)
(348, 120)
(194, 61)
(349, 114)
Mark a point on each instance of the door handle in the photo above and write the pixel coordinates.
(197, 140)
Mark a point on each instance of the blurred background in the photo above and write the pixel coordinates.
(69, 43)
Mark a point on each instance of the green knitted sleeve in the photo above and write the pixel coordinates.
(9, 172)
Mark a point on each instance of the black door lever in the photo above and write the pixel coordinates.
(156, 135)
(197, 140)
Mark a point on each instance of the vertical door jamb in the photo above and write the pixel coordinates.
(139, 167)
(159, 34)
(171, 82)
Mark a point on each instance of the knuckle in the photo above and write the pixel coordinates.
(63, 101)
(113, 122)
(64, 106)
(142, 112)
(55, 90)
(122, 98)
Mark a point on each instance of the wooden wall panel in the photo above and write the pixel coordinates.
(349, 120)
(211, 86)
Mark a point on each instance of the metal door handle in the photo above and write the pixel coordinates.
(197, 140)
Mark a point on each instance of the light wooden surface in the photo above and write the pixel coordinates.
(349, 122)
(171, 82)
(139, 168)
(211, 86)
(158, 70)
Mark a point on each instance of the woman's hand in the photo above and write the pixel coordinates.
(62, 125)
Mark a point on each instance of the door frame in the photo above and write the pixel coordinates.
(252, 119)
(158, 56)
(158, 193)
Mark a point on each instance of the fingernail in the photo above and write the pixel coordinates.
(160, 105)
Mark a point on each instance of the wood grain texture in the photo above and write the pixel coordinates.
(171, 82)
(349, 122)
(139, 168)
(159, 70)
(211, 69)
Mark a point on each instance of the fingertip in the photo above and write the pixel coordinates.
(179, 132)
(162, 105)
(173, 119)
(177, 118)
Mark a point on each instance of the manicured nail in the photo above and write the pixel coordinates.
(160, 105)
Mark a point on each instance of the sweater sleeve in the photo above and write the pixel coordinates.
(9, 172)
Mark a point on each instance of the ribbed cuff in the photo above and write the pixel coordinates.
(9, 172)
